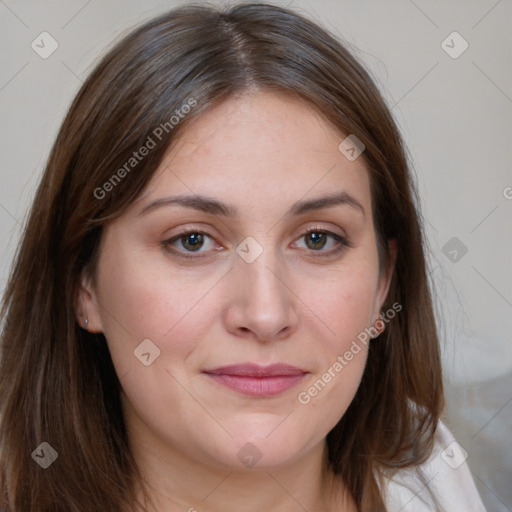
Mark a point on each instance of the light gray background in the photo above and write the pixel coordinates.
(455, 115)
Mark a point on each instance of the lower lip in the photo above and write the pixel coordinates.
(258, 386)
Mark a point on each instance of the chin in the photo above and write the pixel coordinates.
(261, 453)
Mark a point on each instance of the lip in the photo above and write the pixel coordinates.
(256, 380)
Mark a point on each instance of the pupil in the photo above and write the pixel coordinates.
(196, 238)
(317, 238)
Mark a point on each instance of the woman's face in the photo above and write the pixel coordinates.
(246, 286)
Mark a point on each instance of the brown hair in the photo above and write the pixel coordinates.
(57, 381)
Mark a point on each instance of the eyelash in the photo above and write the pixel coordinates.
(343, 242)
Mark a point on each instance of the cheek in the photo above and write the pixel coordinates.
(344, 304)
(140, 301)
(344, 310)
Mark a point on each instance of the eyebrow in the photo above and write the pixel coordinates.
(215, 207)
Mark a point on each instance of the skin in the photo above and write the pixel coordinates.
(260, 152)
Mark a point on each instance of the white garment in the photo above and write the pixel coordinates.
(441, 484)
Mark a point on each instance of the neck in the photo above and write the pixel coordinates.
(174, 482)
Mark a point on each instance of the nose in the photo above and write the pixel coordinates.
(261, 304)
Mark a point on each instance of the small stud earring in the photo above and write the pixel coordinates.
(86, 322)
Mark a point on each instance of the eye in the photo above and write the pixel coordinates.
(190, 241)
(317, 239)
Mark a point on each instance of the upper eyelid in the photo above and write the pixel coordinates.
(187, 231)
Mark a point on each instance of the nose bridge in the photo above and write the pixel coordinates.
(263, 301)
(261, 274)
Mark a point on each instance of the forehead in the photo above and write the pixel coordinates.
(257, 149)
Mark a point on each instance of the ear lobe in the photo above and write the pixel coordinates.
(86, 306)
(387, 273)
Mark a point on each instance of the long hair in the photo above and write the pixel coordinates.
(57, 381)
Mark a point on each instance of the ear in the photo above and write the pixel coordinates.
(86, 306)
(385, 277)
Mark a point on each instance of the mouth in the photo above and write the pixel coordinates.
(258, 381)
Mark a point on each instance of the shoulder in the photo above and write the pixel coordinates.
(441, 484)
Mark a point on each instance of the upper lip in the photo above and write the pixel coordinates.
(255, 370)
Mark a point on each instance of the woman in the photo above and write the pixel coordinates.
(220, 299)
